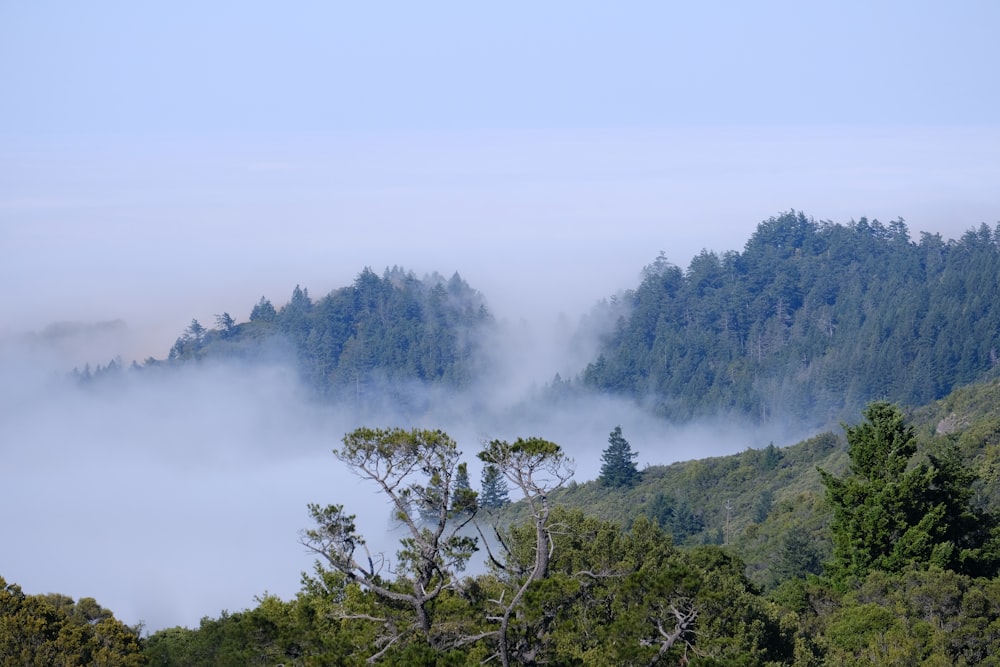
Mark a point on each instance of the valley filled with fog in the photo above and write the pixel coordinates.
(171, 496)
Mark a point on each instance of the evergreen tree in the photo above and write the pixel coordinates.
(889, 515)
(618, 469)
(43, 630)
(226, 324)
(263, 312)
(463, 493)
(494, 488)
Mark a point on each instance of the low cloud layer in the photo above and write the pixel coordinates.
(170, 496)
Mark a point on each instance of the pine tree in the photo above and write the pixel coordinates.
(618, 469)
(890, 515)
(263, 312)
(494, 488)
(463, 498)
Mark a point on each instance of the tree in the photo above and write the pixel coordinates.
(618, 469)
(416, 470)
(463, 489)
(628, 597)
(44, 630)
(263, 312)
(225, 324)
(195, 331)
(536, 467)
(190, 342)
(889, 514)
(494, 494)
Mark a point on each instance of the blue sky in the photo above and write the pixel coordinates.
(161, 161)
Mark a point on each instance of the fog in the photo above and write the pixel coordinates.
(169, 496)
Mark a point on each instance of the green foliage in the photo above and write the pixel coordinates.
(615, 597)
(677, 518)
(812, 320)
(298, 632)
(918, 616)
(464, 499)
(47, 630)
(618, 467)
(495, 492)
(568, 587)
(359, 342)
(889, 515)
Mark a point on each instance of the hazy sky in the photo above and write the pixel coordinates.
(161, 161)
(167, 160)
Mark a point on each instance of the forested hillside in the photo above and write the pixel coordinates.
(358, 340)
(811, 321)
(769, 503)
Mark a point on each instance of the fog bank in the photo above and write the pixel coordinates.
(172, 495)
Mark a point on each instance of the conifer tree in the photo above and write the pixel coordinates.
(463, 490)
(618, 469)
(889, 515)
(494, 493)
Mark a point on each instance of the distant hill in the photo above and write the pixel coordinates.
(811, 321)
(360, 340)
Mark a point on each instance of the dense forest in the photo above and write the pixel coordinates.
(377, 331)
(362, 344)
(874, 543)
(812, 320)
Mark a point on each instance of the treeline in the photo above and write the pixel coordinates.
(380, 329)
(359, 342)
(809, 322)
(812, 320)
(53, 629)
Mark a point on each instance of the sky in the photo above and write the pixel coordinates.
(167, 161)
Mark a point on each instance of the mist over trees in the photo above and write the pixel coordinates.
(810, 322)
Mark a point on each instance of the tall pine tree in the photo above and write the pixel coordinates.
(494, 488)
(618, 469)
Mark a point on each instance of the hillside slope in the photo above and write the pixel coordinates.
(769, 504)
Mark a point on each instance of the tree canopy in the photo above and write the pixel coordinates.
(810, 320)
(46, 630)
(359, 342)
